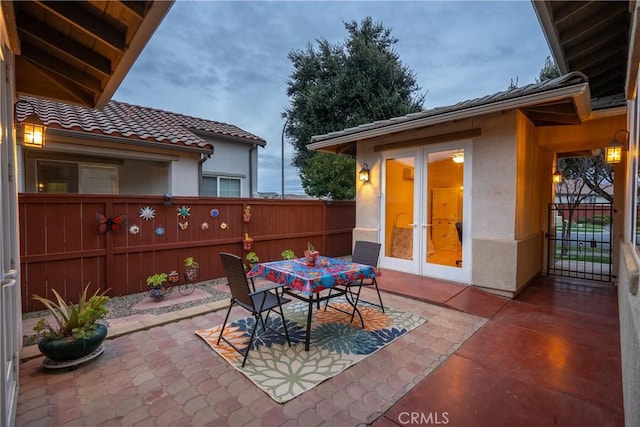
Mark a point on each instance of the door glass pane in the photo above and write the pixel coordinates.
(444, 207)
(399, 207)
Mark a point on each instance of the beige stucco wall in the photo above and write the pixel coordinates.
(507, 206)
(512, 162)
(507, 251)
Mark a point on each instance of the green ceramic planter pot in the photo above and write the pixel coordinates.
(66, 349)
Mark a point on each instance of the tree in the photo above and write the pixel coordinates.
(582, 177)
(591, 172)
(330, 175)
(549, 71)
(339, 86)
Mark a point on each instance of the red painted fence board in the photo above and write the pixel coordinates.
(63, 249)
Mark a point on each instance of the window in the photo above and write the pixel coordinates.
(57, 177)
(218, 186)
(71, 177)
(229, 187)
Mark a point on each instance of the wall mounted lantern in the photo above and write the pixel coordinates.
(613, 151)
(33, 134)
(364, 173)
(557, 177)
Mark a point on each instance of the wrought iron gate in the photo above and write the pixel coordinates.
(580, 241)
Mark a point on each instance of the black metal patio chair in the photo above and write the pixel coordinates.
(256, 302)
(366, 253)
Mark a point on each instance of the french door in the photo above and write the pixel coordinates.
(425, 210)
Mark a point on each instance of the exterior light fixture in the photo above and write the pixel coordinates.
(33, 134)
(613, 151)
(364, 173)
(458, 157)
(557, 177)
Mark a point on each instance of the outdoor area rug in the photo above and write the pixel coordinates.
(285, 372)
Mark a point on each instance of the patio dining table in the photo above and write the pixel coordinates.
(305, 282)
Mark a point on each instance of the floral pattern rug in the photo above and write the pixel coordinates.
(285, 372)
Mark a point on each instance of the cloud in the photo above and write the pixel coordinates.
(227, 61)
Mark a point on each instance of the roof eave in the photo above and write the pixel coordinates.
(579, 93)
(207, 134)
(148, 26)
(543, 12)
(131, 141)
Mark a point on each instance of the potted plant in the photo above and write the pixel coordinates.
(246, 214)
(287, 254)
(77, 331)
(191, 268)
(173, 276)
(252, 259)
(311, 255)
(246, 242)
(155, 282)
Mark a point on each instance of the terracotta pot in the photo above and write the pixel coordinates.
(311, 257)
(69, 348)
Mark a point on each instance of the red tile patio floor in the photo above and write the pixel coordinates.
(549, 357)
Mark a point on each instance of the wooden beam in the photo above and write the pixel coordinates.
(426, 140)
(9, 15)
(33, 80)
(595, 44)
(606, 55)
(63, 44)
(79, 17)
(608, 17)
(56, 66)
(567, 9)
(139, 8)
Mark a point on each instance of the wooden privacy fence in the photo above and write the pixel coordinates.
(62, 247)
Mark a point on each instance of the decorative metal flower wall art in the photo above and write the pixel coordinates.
(214, 213)
(183, 225)
(204, 226)
(159, 231)
(147, 213)
(134, 229)
(184, 211)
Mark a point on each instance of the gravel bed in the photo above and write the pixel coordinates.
(122, 306)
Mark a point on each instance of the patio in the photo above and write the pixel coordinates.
(550, 356)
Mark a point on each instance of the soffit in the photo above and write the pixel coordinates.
(591, 37)
(78, 52)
